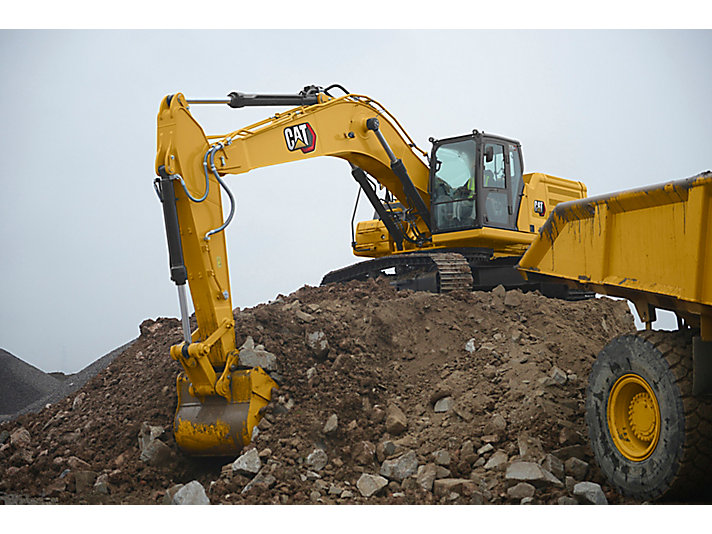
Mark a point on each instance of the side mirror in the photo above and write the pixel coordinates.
(489, 153)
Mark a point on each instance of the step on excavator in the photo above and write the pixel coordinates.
(459, 218)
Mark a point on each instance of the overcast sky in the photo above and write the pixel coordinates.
(84, 258)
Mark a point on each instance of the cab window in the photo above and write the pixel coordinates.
(494, 171)
(453, 187)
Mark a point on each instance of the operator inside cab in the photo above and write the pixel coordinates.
(457, 201)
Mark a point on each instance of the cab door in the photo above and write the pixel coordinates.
(501, 183)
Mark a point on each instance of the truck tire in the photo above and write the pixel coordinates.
(651, 438)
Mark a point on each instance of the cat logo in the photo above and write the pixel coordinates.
(539, 207)
(300, 137)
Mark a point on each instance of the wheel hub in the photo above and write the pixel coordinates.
(633, 417)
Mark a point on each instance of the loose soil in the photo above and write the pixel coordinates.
(514, 366)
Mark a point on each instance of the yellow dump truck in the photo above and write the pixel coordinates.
(649, 397)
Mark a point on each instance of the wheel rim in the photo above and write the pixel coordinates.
(633, 417)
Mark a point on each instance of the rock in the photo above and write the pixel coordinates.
(498, 461)
(558, 376)
(385, 449)
(496, 425)
(520, 491)
(442, 457)
(101, 485)
(147, 434)
(470, 345)
(499, 292)
(84, 481)
(4, 436)
(78, 400)
(192, 493)
(446, 486)
(156, 454)
(249, 464)
(364, 452)
(568, 436)
(332, 423)
(426, 476)
(513, 299)
(400, 468)
(566, 500)
(564, 453)
(317, 459)
(441, 392)
(444, 405)
(251, 356)
(170, 493)
(318, 344)
(555, 466)
(20, 438)
(589, 493)
(396, 421)
(304, 316)
(530, 448)
(263, 479)
(527, 500)
(576, 468)
(485, 449)
(370, 485)
(530, 472)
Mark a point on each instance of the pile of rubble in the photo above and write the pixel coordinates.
(386, 397)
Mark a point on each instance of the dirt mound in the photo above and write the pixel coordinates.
(416, 397)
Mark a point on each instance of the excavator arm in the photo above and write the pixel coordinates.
(219, 399)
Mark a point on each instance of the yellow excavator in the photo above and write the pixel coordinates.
(460, 217)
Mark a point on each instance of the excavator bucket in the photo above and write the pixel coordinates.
(212, 425)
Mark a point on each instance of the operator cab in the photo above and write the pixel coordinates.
(475, 181)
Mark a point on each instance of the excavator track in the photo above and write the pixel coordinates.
(469, 269)
(438, 272)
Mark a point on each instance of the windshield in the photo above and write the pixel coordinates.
(453, 187)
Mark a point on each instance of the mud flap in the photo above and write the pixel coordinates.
(214, 426)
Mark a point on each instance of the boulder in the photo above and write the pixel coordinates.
(317, 459)
(576, 468)
(426, 476)
(441, 457)
(20, 438)
(370, 485)
(256, 356)
(555, 466)
(444, 405)
(396, 421)
(318, 344)
(192, 493)
(520, 491)
(401, 467)
(248, 464)
(332, 423)
(497, 462)
(532, 473)
(101, 485)
(589, 493)
(156, 454)
(264, 479)
(364, 452)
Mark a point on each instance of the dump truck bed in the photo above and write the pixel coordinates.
(651, 245)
